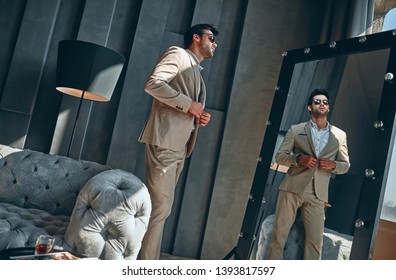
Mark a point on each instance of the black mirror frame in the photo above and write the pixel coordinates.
(372, 42)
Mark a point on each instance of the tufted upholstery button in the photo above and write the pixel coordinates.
(46, 187)
(14, 181)
(24, 225)
(35, 169)
(26, 198)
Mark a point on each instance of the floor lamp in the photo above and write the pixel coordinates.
(87, 71)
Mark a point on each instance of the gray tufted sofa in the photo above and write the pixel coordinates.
(91, 209)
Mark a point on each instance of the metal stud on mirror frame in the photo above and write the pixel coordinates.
(370, 173)
(379, 125)
(389, 77)
(362, 39)
(333, 45)
(359, 224)
(241, 235)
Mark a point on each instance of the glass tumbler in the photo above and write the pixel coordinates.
(44, 244)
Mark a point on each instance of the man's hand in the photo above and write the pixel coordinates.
(326, 164)
(308, 161)
(204, 119)
(196, 109)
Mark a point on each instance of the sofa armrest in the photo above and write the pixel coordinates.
(110, 217)
(6, 150)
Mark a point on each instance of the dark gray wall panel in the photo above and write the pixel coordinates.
(11, 13)
(94, 29)
(27, 64)
(29, 56)
(103, 115)
(222, 69)
(48, 101)
(180, 16)
(10, 124)
(96, 21)
(135, 103)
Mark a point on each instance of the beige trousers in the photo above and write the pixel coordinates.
(312, 214)
(163, 168)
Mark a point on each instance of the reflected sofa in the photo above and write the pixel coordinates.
(91, 209)
(336, 246)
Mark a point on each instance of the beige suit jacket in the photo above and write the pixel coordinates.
(174, 83)
(298, 140)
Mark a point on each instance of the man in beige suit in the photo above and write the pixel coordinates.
(170, 132)
(312, 150)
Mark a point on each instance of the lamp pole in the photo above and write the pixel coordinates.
(75, 123)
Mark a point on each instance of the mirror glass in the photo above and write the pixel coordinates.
(355, 83)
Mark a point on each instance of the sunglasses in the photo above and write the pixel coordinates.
(211, 37)
(319, 101)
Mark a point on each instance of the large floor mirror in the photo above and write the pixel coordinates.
(359, 73)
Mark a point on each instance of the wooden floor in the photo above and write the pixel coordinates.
(385, 246)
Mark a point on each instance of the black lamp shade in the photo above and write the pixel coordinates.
(87, 70)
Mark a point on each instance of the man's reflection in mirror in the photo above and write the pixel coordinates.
(312, 150)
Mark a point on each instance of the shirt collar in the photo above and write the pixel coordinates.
(313, 125)
(200, 68)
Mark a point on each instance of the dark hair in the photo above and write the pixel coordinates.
(317, 92)
(198, 29)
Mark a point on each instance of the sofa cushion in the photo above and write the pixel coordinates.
(20, 227)
(110, 217)
(31, 179)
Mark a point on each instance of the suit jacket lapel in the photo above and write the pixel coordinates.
(330, 145)
(308, 131)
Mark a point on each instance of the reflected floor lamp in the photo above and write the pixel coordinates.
(87, 71)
